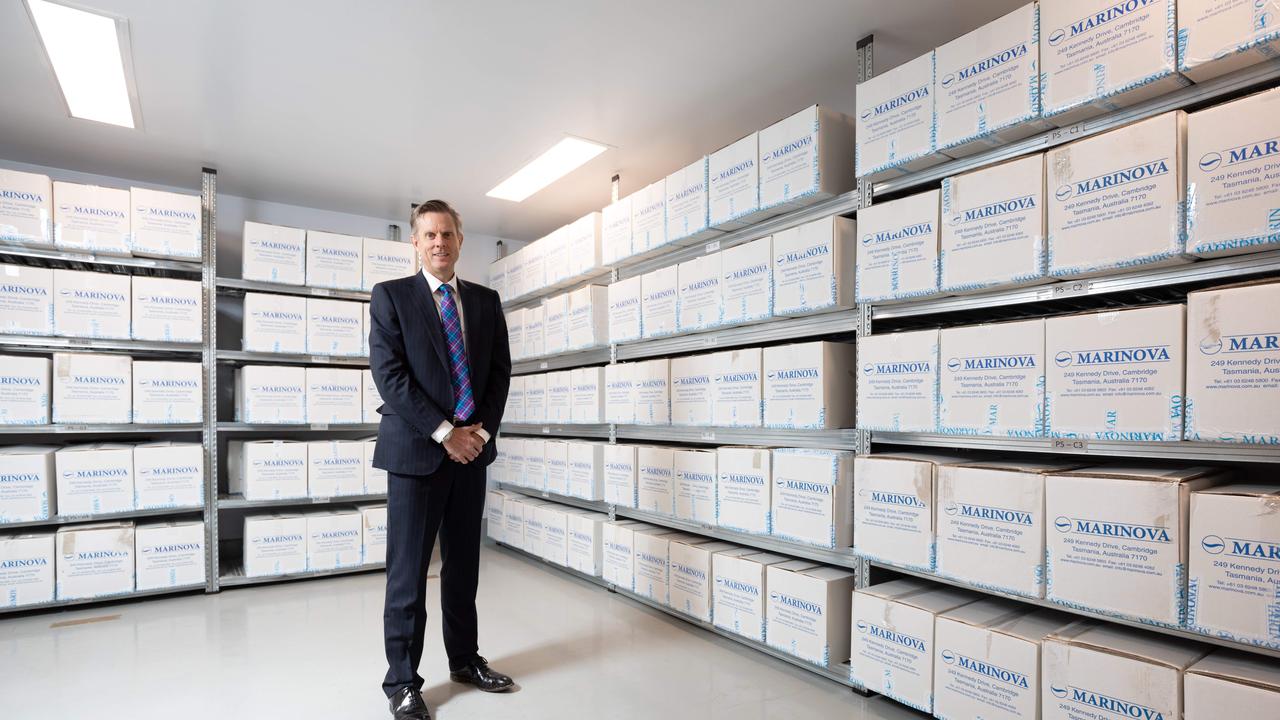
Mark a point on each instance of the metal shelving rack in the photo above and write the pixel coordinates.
(238, 502)
(233, 574)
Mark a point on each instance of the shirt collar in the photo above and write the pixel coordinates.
(434, 283)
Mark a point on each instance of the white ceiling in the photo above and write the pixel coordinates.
(365, 110)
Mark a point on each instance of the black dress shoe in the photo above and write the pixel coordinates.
(478, 673)
(407, 704)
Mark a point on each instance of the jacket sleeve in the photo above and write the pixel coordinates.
(494, 402)
(388, 361)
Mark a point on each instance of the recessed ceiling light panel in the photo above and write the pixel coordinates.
(90, 58)
(563, 158)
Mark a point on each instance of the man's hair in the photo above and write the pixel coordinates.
(434, 206)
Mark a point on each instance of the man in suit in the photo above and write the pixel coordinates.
(439, 355)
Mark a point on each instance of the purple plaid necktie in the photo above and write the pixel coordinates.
(463, 403)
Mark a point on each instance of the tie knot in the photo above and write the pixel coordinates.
(445, 288)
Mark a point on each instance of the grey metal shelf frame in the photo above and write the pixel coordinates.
(238, 286)
(772, 437)
(592, 432)
(241, 427)
(132, 595)
(561, 361)
(59, 520)
(235, 577)
(242, 357)
(1187, 451)
(41, 343)
(100, 429)
(49, 257)
(238, 502)
(838, 673)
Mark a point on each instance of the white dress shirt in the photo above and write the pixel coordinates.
(432, 281)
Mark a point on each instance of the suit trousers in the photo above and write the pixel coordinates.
(449, 502)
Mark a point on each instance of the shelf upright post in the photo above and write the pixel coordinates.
(209, 284)
(862, 438)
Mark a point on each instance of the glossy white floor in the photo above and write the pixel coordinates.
(313, 650)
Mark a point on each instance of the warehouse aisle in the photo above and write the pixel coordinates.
(312, 650)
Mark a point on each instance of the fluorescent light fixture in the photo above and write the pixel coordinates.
(563, 158)
(87, 51)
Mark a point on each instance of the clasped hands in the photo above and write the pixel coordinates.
(463, 443)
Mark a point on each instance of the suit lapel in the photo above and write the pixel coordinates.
(435, 328)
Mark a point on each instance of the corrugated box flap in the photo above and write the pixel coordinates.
(939, 600)
(1029, 466)
(1241, 668)
(1138, 472)
(897, 588)
(1242, 489)
(1175, 653)
(986, 613)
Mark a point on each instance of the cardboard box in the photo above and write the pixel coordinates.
(334, 260)
(515, 332)
(586, 531)
(26, 298)
(334, 395)
(652, 570)
(892, 641)
(555, 324)
(366, 326)
(618, 563)
(1115, 199)
(898, 257)
(652, 382)
(691, 390)
(512, 451)
(272, 393)
(1094, 670)
(494, 515)
(90, 304)
(267, 469)
(733, 188)
(897, 121)
(275, 544)
(335, 467)
(335, 539)
(274, 323)
(94, 560)
(893, 507)
(535, 334)
(535, 398)
(386, 260)
(586, 470)
(809, 385)
(743, 493)
(746, 281)
(24, 390)
(620, 482)
(1115, 375)
(166, 310)
(375, 479)
(370, 399)
(28, 483)
(804, 158)
(737, 388)
(741, 590)
(168, 475)
(168, 392)
(991, 528)
(556, 457)
(690, 588)
(699, 302)
(334, 327)
(992, 379)
(169, 555)
(274, 253)
(89, 218)
(1099, 56)
(659, 295)
(535, 268)
(987, 659)
(555, 534)
(993, 226)
(695, 486)
(588, 324)
(555, 253)
(1215, 39)
(988, 84)
(165, 224)
(94, 478)
(813, 266)
(615, 232)
(26, 208)
(1229, 684)
(583, 237)
(515, 263)
(625, 314)
(1232, 388)
(532, 526)
(1231, 192)
(559, 397)
(1118, 544)
(514, 411)
(535, 464)
(513, 518)
(1232, 581)
(898, 386)
(373, 537)
(808, 611)
(498, 277)
(92, 388)
(656, 479)
(588, 395)
(812, 499)
(688, 214)
(26, 569)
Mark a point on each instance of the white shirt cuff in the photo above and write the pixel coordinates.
(484, 435)
(445, 428)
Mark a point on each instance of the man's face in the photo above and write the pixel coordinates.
(438, 244)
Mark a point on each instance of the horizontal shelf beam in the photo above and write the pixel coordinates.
(65, 344)
(845, 320)
(75, 260)
(1184, 634)
(1200, 451)
(594, 432)
(103, 517)
(770, 437)
(596, 505)
(240, 427)
(99, 429)
(237, 502)
(243, 356)
(238, 286)
(838, 673)
(132, 595)
(234, 579)
(563, 361)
